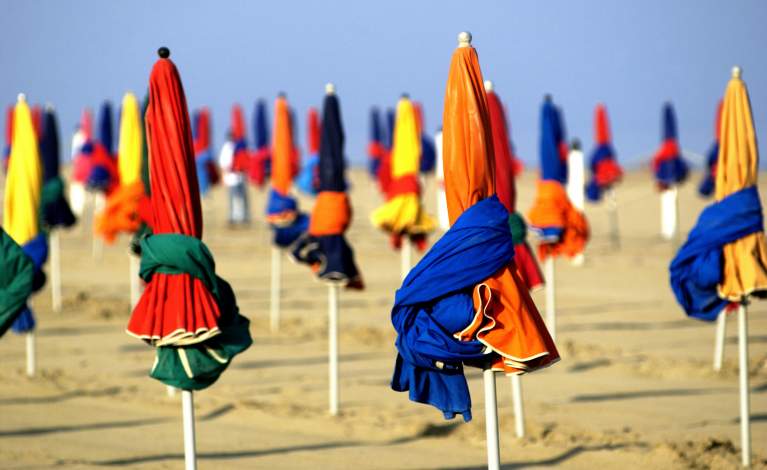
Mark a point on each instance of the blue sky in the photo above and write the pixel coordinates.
(631, 55)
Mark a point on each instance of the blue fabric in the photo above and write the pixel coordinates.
(99, 178)
(201, 164)
(696, 270)
(435, 301)
(37, 250)
(390, 119)
(277, 203)
(706, 187)
(593, 190)
(428, 154)
(55, 208)
(307, 179)
(669, 122)
(376, 137)
(671, 172)
(553, 166)
(332, 164)
(106, 137)
(286, 235)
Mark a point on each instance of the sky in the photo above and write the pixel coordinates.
(632, 56)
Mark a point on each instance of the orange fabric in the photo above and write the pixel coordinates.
(552, 208)
(506, 318)
(745, 260)
(121, 213)
(331, 214)
(283, 148)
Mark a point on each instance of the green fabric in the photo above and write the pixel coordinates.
(16, 280)
(53, 190)
(176, 254)
(518, 228)
(172, 253)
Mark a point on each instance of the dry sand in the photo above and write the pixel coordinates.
(635, 388)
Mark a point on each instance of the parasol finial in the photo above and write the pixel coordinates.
(547, 97)
(21, 98)
(736, 71)
(464, 39)
(49, 107)
(489, 85)
(282, 94)
(330, 89)
(405, 96)
(575, 144)
(163, 52)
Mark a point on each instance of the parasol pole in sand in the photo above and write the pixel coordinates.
(669, 212)
(406, 257)
(518, 404)
(55, 242)
(134, 264)
(31, 353)
(274, 293)
(721, 330)
(190, 450)
(575, 187)
(551, 315)
(612, 214)
(745, 404)
(99, 201)
(491, 420)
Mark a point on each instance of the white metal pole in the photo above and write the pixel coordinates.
(171, 391)
(56, 271)
(745, 406)
(675, 209)
(134, 264)
(721, 329)
(187, 408)
(274, 311)
(551, 316)
(333, 347)
(98, 206)
(407, 257)
(491, 420)
(612, 208)
(669, 209)
(31, 354)
(519, 409)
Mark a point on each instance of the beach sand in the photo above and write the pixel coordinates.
(635, 387)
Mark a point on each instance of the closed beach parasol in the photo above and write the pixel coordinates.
(202, 133)
(187, 311)
(670, 170)
(21, 212)
(464, 302)
(725, 257)
(376, 148)
(261, 159)
(706, 186)
(605, 171)
(308, 178)
(561, 228)
(403, 215)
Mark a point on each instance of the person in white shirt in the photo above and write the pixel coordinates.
(235, 181)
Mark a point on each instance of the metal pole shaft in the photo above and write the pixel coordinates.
(333, 347)
(491, 420)
(612, 207)
(274, 311)
(134, 263)
(721, 328)
(745, 405)
(31, 354)
(407, 257)
(519, 410)
(551, 316)
(56, 271)
(190, 451)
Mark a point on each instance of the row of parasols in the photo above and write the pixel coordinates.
(465, 303)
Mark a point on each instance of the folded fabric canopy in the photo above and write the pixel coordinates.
(187, 311)
(324, 246)
(55, 208)
(207, 170)
(376, 148)
(260, 165)
(308, 178)
(464, 303)
(103, 174)
(402, 214)
(706, 186)
(605, 171)
(669, 167)
(563, 229)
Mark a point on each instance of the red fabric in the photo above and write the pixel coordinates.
(384, 173)
(407, 184)
(527, 266)
(607, 172)
(37, 120)
(172, 303)
(86, 123)
(257, 169)
(238, 123)
(100, 157)
(668, 150)
(314, 132)
(504, 174)
(601, 127)
(202, 140)
(8, 125)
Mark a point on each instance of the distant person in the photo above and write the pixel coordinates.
(234, 179)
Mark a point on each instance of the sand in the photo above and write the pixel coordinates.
(635, 387)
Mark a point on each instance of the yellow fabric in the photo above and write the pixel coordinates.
(403, 213)
(406, 144)
(129, 151)
(24, 181)
(745, 261)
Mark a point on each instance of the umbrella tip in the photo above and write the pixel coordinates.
(405, 96)
(330, 89)
(21, 97)
(547, 97)
(489, 85)
(464, 39)
(736, 72)
(49, 106)
(575, 144)
(282, 94)
(163, 52)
